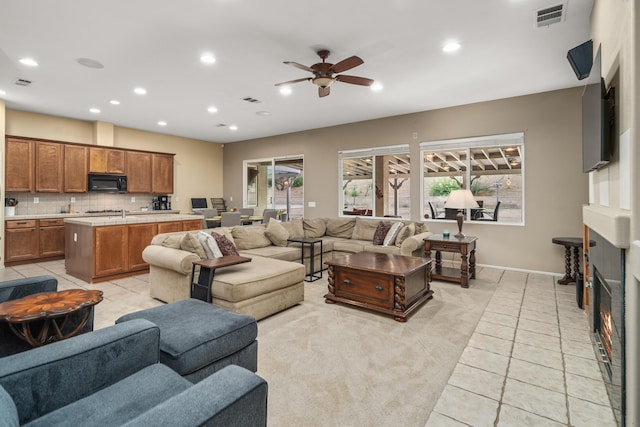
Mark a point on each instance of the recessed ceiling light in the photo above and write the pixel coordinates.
(114, 102)
(89, 63)
(94, 110)
(212, 109)
(285, 90)
(208, 58)
(233, 127)
(377, 87)
(451, 46)
(162, 123)
(263, 113)
(140, 91)
(30, 62)
(2, 93)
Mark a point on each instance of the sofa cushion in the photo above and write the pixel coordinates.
(172, 241)
(225, 245)
(275, 252)
(276, 233)
(381, 232)
(391, 250)
(122, 401)
(340, 227)
(250, 236)
(190, 243)
(295, 229)
(390, 238)
(350, 246)
(365, 229)
(314, 227)
(209, 245)
(8, 410)
(406, 231)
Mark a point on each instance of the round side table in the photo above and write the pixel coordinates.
(569, 243)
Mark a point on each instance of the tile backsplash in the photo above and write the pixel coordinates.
(52, 203)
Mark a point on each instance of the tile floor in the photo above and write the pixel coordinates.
(529, 362)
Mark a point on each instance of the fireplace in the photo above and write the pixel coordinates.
(607, 315)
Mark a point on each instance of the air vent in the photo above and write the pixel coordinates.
(550, 15)
(252, 100)
(22, 82)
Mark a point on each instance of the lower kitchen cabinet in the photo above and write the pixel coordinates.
(33, 240)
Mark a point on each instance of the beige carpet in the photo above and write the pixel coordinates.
(336, 365)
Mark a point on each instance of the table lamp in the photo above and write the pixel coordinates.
(461, 200)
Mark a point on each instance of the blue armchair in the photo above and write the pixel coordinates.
(112, 377)
(15, 289)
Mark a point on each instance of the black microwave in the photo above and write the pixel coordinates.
(107, 183)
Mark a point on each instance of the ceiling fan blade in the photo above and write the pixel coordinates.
(355, 80)
(293, 81)
(346, 64)
(302, 67)
(323, 91)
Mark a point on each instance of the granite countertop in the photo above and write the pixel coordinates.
(86, 215)
(129, 219)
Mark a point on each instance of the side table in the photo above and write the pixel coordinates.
(576, 244)
(202, 288)
(465, 246)
(53, 310)
(313, 275)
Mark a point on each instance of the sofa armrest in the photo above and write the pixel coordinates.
(414, 245)
(169, 258)
(233, 396)
(19, 288)
(47, 378)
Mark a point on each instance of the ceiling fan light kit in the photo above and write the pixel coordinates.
(326, 73)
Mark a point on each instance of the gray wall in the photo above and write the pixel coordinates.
(555, 187)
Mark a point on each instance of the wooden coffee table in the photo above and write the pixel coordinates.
(390, 284)
(50, 312)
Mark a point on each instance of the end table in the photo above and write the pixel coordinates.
(465, 246)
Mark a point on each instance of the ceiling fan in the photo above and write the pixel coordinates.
(324, 73)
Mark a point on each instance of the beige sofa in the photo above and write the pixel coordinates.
(274, 279)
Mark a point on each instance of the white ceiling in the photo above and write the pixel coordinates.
(157, 45)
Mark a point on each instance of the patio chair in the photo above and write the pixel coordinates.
(434, 212)
(492, 217)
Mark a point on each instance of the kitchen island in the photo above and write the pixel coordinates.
(109, 247)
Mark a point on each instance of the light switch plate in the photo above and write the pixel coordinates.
(36, 200)
(311, 204)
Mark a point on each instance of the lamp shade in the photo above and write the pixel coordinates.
(461, 199)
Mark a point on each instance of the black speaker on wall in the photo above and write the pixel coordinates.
(581, 59)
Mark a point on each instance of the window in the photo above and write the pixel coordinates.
(375, 182)
(491, 167)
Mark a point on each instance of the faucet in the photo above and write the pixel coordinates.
(124, 214)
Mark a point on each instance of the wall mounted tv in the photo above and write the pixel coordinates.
(597, 120)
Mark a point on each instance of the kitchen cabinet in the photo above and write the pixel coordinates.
(107, 160)
(192, 225)
(19, 165)
(51, 234)
(110, 250)
(75, 168)
(139, 172)
(139, 237)
(48, 170)
(162, 173)
(169, 227)
(21, 241)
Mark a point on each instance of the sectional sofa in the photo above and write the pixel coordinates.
(274, 279)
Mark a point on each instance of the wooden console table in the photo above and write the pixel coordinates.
(465, 246)
(49, 311)
(389, 284)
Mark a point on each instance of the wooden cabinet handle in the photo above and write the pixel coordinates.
(379, 288)
(21, 222)
(347, 281)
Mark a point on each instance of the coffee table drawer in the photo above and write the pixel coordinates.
(375, 289)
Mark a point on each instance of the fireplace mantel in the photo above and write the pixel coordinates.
(612, 224)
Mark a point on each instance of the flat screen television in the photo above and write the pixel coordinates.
(597, 118)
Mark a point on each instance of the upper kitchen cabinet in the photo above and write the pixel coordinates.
(48, 171)
(139, 172)
(162, 174)
(19, 165)
(75, 168)
(106, 160)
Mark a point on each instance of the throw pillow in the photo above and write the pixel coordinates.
(406, 231)
(209, 245)
(190, 243)
(276, 233)
(381, 232)
(314, 228)
(250, 237)
(172, 241)
(390, 238)
(294, 228)
(226, 247)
